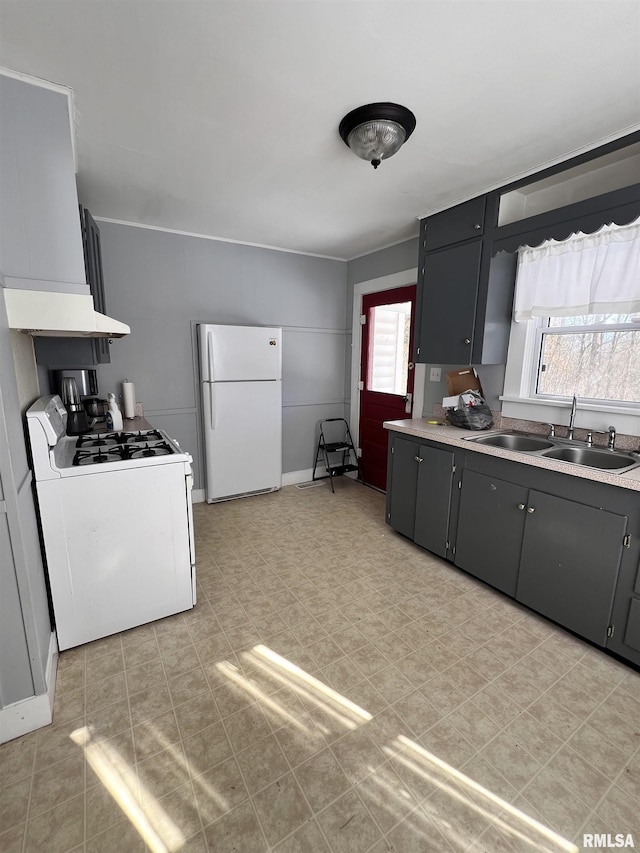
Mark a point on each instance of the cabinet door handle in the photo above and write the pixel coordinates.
(467, 340)
(531, 509)
(477, 226)
(418, 458)
(520, 506)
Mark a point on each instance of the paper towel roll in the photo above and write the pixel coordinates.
(129, 398)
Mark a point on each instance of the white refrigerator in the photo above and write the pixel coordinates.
(241, 383)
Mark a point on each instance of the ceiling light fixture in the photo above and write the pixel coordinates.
(376, 131)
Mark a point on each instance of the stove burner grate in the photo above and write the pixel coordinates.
(156, 449)
(140, 437)
(98, 457)
(87, 441)
(114, 448)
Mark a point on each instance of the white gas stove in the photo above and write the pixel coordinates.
(117, 525)
(56, 454)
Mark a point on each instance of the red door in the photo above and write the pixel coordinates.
(386, 374)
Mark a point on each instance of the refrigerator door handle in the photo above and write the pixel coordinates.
(211, 376)
(212, 405)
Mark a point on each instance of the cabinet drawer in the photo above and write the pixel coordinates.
(456, 224)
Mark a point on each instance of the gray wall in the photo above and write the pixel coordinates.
(162, 284)
(402, 256)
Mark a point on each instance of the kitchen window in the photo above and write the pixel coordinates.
(576, 330)
(594, 356)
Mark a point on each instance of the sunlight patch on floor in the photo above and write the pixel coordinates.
(155, 827)
(232, 672)
(341, 709)
(510, 821)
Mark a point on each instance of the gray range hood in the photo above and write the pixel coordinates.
(55, 314)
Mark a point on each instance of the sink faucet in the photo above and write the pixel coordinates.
(572, 417)
(611, 443)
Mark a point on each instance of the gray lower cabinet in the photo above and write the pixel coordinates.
(557, 556)
(402, 481)
(420, 479)
(571, 555)
(632, 632)
(576, 563)
(490, 529)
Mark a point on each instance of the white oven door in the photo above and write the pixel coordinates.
(118, 549)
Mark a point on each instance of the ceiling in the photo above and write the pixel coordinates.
(220, 117)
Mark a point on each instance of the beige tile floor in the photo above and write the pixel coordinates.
(335, 689)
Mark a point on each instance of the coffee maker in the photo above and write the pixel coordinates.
(86, 381)
(77, 421)
(73, 386)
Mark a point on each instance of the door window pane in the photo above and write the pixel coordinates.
(389, 330)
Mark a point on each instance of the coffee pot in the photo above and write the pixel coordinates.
(77, 421)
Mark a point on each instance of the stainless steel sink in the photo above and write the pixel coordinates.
(608, 460)
(565, 451)
(513, 441)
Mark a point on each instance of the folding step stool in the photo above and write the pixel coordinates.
(338, 456)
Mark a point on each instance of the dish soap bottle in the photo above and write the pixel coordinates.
(114, 415)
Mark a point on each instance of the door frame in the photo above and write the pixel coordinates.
(374, 285)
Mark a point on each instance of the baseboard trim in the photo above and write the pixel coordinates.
(292, 478)
(36, 711)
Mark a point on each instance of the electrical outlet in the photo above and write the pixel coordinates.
(436, 374)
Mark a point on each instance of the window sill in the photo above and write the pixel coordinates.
(589, 416)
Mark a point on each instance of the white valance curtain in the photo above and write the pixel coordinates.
(595, 273)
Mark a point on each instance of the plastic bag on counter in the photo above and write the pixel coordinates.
(472, 412)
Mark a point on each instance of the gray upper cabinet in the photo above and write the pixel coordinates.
(450, 282)
(59, 353)
(465, 295)
(40, 239)
(463, 222)
(468, 253)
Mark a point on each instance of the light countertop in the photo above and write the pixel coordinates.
(128, 425)
(135, 424)
(457, 437)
